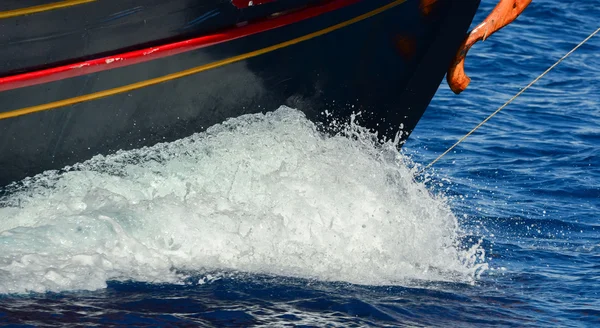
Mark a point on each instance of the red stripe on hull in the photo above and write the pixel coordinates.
(144, 55)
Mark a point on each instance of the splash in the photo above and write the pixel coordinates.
(263, 193)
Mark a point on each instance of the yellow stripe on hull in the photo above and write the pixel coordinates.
(42, 8)
(198, 69)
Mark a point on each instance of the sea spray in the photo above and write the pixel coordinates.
(263, 193)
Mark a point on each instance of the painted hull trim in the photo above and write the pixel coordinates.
(382, 58)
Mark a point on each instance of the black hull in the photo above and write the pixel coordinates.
(97, 28)
(363, 66)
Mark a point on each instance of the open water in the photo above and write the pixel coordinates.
(262, 221)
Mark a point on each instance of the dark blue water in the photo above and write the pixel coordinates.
(503, 232)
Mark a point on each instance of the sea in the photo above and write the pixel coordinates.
(262, 221)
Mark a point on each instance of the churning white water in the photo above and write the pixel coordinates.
(259, 193)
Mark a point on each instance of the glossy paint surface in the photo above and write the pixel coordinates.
(320, 60)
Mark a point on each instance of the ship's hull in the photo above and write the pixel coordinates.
(382, 58)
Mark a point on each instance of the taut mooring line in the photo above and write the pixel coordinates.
(509, 101)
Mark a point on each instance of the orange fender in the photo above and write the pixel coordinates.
(505, 13)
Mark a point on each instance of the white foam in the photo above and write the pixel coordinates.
(259, 193)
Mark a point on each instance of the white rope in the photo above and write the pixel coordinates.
(508, 102)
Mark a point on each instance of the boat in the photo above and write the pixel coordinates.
(80, 78)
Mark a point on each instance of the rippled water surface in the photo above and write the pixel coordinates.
(264, 221)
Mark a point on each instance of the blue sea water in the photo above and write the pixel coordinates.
(263, 222)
